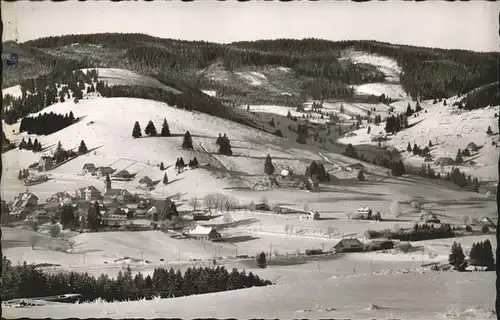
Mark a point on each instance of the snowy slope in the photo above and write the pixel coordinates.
(127, 77)
(14, 91)
(389, 67)
(449, 129)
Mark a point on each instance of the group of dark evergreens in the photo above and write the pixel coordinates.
(46, 123)
(38, 93)
(34, 146)
(26, 281)
(481, 255)
(151, 129)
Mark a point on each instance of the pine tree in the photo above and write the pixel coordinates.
(289, 115)
(150, 129)
(187, 142)
(136, 132)
(108, 181)
(361, 175)
(430, 144)
(466, 152)
(459, 159)
(489, 132)
(368, 130)
(83, 148)
(268, 166)
(165, 179)
(162, 166)
(29, 146)
(261, 260)
(408, 148)
(487, 254)
(165, 130)
(415, 149)
(457, 256)
(225, 146)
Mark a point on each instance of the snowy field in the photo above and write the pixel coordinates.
(447, 295)
(342, 286)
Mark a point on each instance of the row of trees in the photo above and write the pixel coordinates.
(224, 145)
(25, 281)
(151, 129)
(419, 232)
(47, 123)
(34, 146)
(481, 255)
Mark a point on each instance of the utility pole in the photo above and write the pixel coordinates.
(270, 252)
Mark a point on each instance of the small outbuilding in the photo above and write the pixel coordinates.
(89, 168)
(472, 146)
(204, 233)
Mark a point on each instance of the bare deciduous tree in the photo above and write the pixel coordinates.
(194, 202)
(54, 231)
(33, 240)
(465, 219)
(227, 218)
(209, 201)
(329, 231)
(305, 206)
(251, 205)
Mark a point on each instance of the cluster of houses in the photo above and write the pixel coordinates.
(122, 175)
(117, 205)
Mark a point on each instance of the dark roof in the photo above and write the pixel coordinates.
(349, 243)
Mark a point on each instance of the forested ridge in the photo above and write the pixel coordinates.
(318, 70)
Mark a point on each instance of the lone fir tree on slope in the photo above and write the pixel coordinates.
(150, 129)
(165, 179)
(165, 129)
(187, 142)
(268, 166)
(83, 148)
(136, 132)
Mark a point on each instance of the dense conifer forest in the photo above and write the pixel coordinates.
(26, 281)
(426, 72)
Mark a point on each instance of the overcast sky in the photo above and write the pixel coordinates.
(462, 25)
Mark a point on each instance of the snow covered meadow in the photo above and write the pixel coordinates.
(349, 285)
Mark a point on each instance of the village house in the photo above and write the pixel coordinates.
(124, 174)
(89, 193)
(445, 161)
(25, 199)
(355, 166)
(120, 195)
(488, 222)
(472, 147)
(19, 213)
(364, 213)
(46, 163)
(309, 215)
(262, 207)
(204, 233)
(146, 182)
(89, 168)
(60, 196)
(349, 245)
(103, 171)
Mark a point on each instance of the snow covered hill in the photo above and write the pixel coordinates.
(107, 126)
(449, 129)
